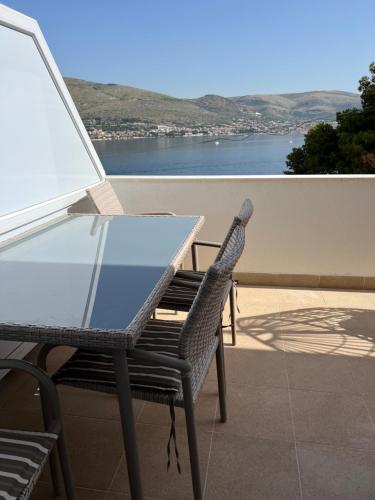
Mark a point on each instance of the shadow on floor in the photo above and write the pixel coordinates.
(315, 330)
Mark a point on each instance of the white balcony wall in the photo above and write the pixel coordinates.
(301, 225)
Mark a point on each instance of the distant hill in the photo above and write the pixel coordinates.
(317, 105)
(121, 103)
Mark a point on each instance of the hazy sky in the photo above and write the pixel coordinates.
(188, 49)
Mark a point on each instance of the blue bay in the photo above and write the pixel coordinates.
(230, 155)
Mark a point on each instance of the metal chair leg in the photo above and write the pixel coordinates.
(194, 258)
(220, 336)
(232, 303)
(65, 468)
(127, 422)
(220, 368)
(53, 457)
(192, 436)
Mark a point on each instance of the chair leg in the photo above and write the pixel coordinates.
(192, 437)
(220, 368)
(222, 355)
(65, 468)
(194, 258)
(128, 424)
(53, 458)
(232, 303)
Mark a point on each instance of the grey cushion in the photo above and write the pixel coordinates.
(178, 298)
(182, 291)
(189, 276)
(22, 457)
(94, 370)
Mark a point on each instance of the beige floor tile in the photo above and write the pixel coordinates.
(21, 420)
(255, 368)
(260, 293)
(257, 306)
(300, 297)
(211, 375)
(95, 448)
(112, 495)
(244, 468)
(44, 491)
(259, 332)
(369, 400)
(320, 373)
(326, 341)
(257, 412)
(340, 343)
(360, 320)
(81, 402)
(120, 496)
(256, 342)
(312, 319)
(364, 374)
(329, 473)
(26, 397)
(258, 302)
(332, 418)
(10, 385)
(74, 401)
(158, 482)
(349, 299)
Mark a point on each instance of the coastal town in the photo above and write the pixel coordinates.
(115, 130)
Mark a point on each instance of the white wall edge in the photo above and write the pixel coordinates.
(285, 178)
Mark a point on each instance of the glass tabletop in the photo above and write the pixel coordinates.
(89, 271)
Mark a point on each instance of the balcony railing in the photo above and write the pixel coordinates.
(306, 231)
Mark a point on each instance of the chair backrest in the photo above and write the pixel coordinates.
(105, 199)
(243, 217)
(204, 317)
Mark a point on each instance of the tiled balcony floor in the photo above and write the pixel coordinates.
(301, 410)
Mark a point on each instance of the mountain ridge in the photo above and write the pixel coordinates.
(121, 103)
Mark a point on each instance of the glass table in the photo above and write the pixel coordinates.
(93, 281)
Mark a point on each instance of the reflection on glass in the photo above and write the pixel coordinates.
(41, 153)
(88, 271)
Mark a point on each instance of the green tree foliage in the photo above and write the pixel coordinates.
(367, 89)
(347, 149)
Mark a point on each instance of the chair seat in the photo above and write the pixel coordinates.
(95, 370)
(150, 382)
(178, 298)
(22, 457)
(190, 276)
(180, 295)
(183, 289)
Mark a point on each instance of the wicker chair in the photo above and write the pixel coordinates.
(184, 287)
(24, 453)
(171, 358)
(106, 201)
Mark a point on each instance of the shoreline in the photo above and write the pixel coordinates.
(214, 137)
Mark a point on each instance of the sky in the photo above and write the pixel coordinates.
(230, 48)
